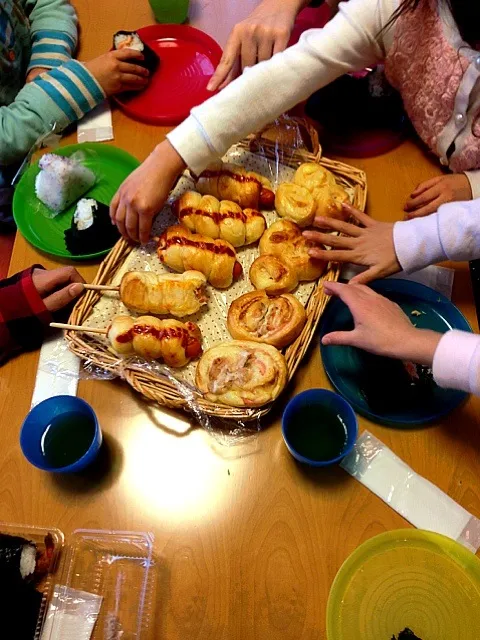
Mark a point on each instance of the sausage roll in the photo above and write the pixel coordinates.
(227, 181)
(295, 203)
(219, 218)
(284, 240)
(241, 373)
(182, 250)
(171, 341)
(273, 275)
(277, 320)
(166, 294)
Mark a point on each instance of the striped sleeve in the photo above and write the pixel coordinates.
(72, 88)
(50, 49)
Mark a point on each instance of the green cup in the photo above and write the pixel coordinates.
(170, 11)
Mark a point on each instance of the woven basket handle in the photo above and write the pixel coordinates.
(287, 135)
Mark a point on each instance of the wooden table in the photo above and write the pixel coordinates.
(248, 541)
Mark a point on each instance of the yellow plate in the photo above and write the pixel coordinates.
(406, 578)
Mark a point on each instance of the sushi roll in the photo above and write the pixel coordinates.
(91, 230)
(61, 181)
(17, 557)
(131, 40)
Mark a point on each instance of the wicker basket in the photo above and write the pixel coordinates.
(162, 390)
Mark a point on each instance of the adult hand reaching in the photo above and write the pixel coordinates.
(429, 195)
(369, 246)
(58, 287)
(264, 33)
(142, 195)
(381, 327)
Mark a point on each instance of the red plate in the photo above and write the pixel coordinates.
(188, 58)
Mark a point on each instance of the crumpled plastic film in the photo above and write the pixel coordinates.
(71, 615)
(418, 500)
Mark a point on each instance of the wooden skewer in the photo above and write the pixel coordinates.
(101, 287)
(77, 327)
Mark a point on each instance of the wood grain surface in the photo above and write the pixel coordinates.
(247, 541)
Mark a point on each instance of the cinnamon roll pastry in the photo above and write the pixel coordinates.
(284, 240)
(181, 250)
(295, 203)
(272, 275)
(328, 202)
(227, 181)
(241, 373)
(274, 320)
(219, 218)
(313, 176)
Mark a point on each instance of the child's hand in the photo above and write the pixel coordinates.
(34, 73)
(371, 246)
(143, 194)
(429, 195)
(381, 327)
(58, 287)
(116, 71)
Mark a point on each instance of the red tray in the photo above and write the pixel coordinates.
(188, 58)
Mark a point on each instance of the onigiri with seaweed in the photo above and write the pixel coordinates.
(91, 230)
(131, 40)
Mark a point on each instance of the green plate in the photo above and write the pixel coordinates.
(406, 578)
(111, 166)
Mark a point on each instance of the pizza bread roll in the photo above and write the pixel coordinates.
(295, 203)
(241, 373)
(182, 250)
(219, 218)
(163, 294)
(171, 341)
(284, 240)
(313, 176)
(228, 181)
(328, 202)
(274, 320)
(272, 275)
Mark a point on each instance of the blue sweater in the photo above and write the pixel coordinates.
(39, 34)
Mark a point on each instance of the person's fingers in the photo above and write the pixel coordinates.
(338, 225)
(340, 338)
(331, 256)
(281, 41)
(265, 49)
(113, 206)
(232, 74)
(60, 299)
(144, 228)
(128, 54)
(46, 281)
(135, 69)
(347, 292)
(248, 52)
(131, 224)
(130, 81)
(120, 219)
(423, 186)
(227, 61)
(424, 198)
(329, 239)
(431, 207)
(361, 217)
(366, 276)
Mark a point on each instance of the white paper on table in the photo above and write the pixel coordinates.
(438, 278)
(419, 501)
(72, 614)
(58, 370)
(97, 125)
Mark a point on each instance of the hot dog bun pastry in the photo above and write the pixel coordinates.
(227, 181)
(274, 320)
(241, 373)
(295, 203)
(219, 218)
(272, 275)
(284, 240)
(121, 336)
(181, 250)
(164, 294)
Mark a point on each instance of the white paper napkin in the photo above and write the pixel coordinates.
(96, 126)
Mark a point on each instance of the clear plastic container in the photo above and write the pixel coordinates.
(117, 565)
(38, 536)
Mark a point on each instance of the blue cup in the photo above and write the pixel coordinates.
(324, 400)
(41, 416)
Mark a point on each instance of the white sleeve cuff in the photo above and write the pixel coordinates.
(191, 144)
(474, 179)
(457, 360)
(417, 243)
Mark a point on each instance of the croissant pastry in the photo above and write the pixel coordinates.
(227, 181)
(169, 293)
(241, 373)
(284, 240)
(273, 320)
(172, 341)
(182, 250)
(219, 219)
(273, 275)
(295, 203)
